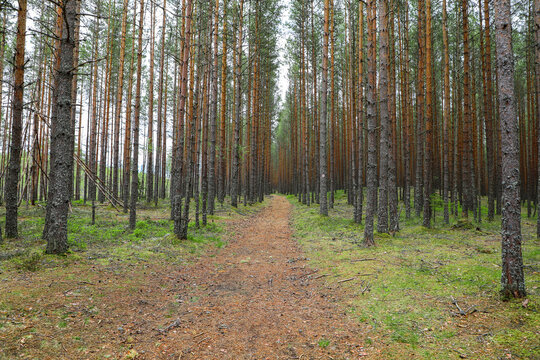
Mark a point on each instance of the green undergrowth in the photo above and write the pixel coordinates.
(109, 239)
(405, 289)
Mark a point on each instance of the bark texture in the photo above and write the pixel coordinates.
(371, 124)
(61, 167)
(323, 199)
(12, 179)
(512, 280)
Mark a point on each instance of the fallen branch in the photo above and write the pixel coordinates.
(471, 309)
(202, 340)
(365, 289)
(200, 334)
(345, 280)
(358, 260)
(311, 273)
(320, 276)
(174, 324)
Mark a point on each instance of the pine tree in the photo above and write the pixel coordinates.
(512, 279)
(61, 171)
(11, 192)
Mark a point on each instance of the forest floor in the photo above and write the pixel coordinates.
(426, 293)
(254, 298)
(273, 281)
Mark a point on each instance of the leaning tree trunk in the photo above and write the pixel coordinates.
(61, 132)
(16, 127)
(512, 279)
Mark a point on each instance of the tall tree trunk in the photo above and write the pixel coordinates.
(160, 119)
(119, 97)
(150, 143)
(407, 116)
(235, 178)
(92, 152)
(372, 124)
(61, 170)
(12, 179)
(127, 135)
(213, 114)
(428, 120)
(537, 85)
(382, 218)
(392, 151)
(223, 113)
(74, 95)
(467, 116)
(323, 199)
(136, 121)
(420, 92)
(179, 153)
(512, 279)
(331, 172)
(488, 115)
(446, 113)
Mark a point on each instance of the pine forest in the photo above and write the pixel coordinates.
(269, 179)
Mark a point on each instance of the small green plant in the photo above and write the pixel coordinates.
(30, 261)
(323, 343)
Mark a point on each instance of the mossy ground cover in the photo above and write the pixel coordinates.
(405, 289)
(80, 303)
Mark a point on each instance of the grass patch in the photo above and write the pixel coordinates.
(402, 287)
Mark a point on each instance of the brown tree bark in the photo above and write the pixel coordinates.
(235, 168)
(92, 151)
(371, 124)
(160, 118)
(446, 114)
(428, 120)
(382, 218)
(119, 97)
(537, 86)
(211, 153)
(222, 167)
(12, 179)
(393, 144)
(179, 158)
(127, 135)
(512, 279)
(134, 197)
(150, 142)
(323, 198)
(467, 117)
(61, 170)
(420, 93)
(331, 144)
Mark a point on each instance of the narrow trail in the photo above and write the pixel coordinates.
(258, 299)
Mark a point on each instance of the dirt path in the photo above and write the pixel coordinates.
(257, 299)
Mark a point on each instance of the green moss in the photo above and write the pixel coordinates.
(403, 293)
